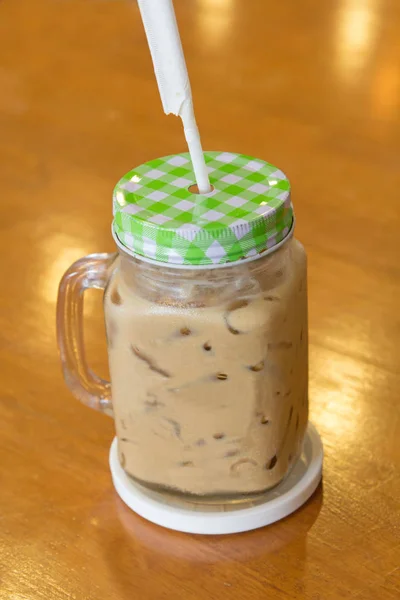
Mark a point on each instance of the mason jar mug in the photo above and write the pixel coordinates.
(206, 332)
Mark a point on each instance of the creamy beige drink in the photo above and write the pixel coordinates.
(210, 390)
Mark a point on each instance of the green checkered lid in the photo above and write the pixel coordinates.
(247, 212)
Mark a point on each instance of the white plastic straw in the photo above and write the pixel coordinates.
(172, 77)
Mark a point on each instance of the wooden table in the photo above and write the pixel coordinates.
(311, 86)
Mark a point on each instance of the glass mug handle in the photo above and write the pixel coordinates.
(92, 271)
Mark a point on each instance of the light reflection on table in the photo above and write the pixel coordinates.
(357, 30)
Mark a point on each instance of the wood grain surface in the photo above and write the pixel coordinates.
(312, 86)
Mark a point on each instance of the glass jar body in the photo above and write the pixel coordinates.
(209, 372)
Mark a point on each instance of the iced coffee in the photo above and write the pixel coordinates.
(209, 378)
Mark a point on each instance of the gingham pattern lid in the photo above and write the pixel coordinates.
(157, 217)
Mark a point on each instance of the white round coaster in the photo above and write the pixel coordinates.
(175, 513)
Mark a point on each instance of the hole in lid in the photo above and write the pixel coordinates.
(194, 189)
